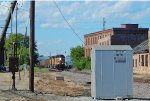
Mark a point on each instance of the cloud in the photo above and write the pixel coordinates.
(49, 43)
(40, 43)
(4, 8)
(69, 9)
(48, 16)
(142, 14)
(45, 25)
(112, 10)
(58, 24)
(51, 15)
(57, 42)
(89, 11)
(72, 21)
(56, 14)
(51, 25)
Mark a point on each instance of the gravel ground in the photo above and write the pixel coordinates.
(140, 90)
(77, 77)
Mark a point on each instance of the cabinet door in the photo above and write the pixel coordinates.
(120, 73)
(105, 77)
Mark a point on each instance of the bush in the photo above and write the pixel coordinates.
(88, 63)
(78, 59)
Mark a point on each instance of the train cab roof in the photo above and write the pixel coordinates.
(57, 56)
(60, 55)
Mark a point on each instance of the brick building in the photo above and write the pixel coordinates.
(127, 34)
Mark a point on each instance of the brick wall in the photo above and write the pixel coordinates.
(130, 34)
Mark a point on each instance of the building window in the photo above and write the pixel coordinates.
(142, 58)
(89, 52)
(93, 40)
(135, 62)
(139, 60)
(146, 60)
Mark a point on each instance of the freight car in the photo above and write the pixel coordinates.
(53, 62)
(43, 61)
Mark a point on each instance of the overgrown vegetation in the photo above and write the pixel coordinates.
(78, 59)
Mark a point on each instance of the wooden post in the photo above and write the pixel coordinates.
(32, 18)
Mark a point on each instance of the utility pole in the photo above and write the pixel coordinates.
(16, 23)
(15, 66)
(3, 35)
(17, 36)
(32, 32)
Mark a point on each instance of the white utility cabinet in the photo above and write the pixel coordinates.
(111, 72)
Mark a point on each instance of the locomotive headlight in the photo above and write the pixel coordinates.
(59, 59)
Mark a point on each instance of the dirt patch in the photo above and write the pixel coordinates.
(23, 99)
(143, 78)
(48, 84)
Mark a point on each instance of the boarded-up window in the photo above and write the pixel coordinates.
(146, 60)
(88, 41)
(142, 60)
(139, 60)
(135, 62)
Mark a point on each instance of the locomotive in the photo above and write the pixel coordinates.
(56, 62)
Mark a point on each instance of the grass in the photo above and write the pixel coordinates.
(41, 70)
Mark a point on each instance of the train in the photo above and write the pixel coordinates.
(55, 62)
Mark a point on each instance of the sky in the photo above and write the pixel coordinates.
(52, 33)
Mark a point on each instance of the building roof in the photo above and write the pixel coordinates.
(141, 48)
(98, 32)
(40, 58)
(57, 56)
(111, 47)
(124, 27)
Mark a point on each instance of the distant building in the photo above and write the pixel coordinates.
(127, 34)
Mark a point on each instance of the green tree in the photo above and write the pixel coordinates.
(22, 49)
(78, 59)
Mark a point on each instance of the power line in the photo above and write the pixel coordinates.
(25, 10)
(67, 22)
